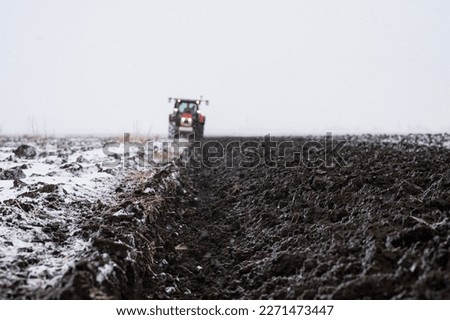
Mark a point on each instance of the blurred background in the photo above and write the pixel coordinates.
(280, 67)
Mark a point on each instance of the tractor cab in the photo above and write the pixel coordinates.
(185, 106)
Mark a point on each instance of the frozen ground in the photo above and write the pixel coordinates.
(41, 208)
(45, 196)
(71, 227)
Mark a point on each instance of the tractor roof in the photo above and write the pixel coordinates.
(197, 101)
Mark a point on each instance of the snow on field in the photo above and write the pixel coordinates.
(79, 173)
(427, 140)
(43, 196)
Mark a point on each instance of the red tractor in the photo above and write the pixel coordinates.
(186, 119)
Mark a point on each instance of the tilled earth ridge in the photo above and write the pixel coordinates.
(125, 236)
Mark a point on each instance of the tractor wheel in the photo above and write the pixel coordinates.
(173, 130)
(199, 132)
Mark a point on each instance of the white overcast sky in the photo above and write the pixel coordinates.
(281, 67)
